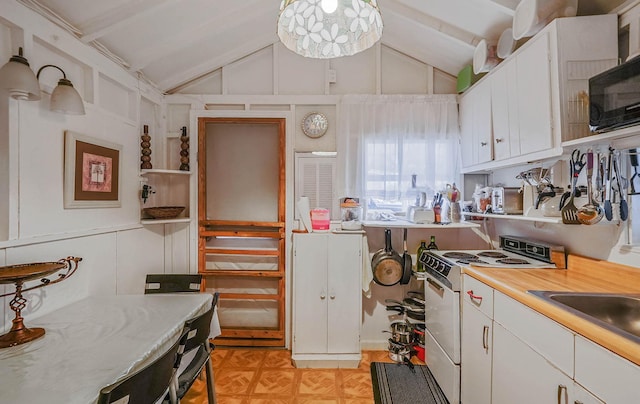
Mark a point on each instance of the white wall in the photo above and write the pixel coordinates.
(34, 226)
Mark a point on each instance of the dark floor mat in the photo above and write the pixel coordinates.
(395, 383)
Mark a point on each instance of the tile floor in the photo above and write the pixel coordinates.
(267, 376)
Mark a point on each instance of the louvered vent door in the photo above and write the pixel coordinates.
(315, 177)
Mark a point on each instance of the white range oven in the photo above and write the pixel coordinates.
(442, 282)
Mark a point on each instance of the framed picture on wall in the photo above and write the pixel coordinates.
(91, 172)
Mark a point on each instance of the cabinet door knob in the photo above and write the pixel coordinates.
(483, 144)
(332, 297)
(499, 140)
(323, 295)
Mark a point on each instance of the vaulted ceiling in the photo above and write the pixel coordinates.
(172, 42)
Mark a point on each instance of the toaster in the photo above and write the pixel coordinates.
(506, 200)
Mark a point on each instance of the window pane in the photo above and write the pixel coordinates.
(390, 165)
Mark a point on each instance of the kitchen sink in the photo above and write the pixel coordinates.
(618, 312)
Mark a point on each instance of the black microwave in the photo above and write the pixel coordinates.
(614, 97)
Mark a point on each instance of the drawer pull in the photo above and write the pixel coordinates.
(474, 297)
(485, 338)
(561, 388)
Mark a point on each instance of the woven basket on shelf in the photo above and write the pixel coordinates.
(164, 212)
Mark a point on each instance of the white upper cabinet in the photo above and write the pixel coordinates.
(476, 125)
(504, 112)
(536, 97)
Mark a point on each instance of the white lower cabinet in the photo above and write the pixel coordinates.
(327, 302)
(476, 356)
(609, 376)
(477, 342)
(521, 375)
(513, 354)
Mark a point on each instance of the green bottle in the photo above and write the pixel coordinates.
(420, 265)
(432, 245)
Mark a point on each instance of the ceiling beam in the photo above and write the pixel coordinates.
(445, 64)
(117, 17)
(239, 17)
(210, 65)
(508, 7)
(419, 17)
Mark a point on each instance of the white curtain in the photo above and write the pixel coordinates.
(394, 137)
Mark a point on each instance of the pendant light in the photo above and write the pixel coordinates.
(326, 29)
(64, 98)
(18, 79)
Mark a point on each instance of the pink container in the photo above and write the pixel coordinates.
(319, 219)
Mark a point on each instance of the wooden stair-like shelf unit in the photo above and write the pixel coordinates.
(241, 249)
(245, 336)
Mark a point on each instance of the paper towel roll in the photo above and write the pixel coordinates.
(305, 212)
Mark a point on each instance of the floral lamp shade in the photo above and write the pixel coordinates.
(326, 29)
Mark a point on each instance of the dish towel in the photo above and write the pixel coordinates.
(367, 272)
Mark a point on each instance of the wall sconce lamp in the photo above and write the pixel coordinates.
(64, 98)
(18, 79)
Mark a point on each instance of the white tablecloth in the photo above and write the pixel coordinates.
(92, 343)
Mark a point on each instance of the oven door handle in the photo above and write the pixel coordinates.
(435, 284)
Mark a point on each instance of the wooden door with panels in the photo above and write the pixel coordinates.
(241, 226)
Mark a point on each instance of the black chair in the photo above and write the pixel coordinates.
(197, 331)
(172, 283)
(150, 383)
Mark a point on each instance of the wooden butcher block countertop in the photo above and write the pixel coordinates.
(583, 275)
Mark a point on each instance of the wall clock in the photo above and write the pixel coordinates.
(314, 124)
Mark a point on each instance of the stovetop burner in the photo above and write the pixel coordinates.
(513, 261)
(467, 261)
(492, 254)
(447, 266)
(456, 255)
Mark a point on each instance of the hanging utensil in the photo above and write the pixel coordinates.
(386, 264)
(634, 187)
(608, 209)
(591, 213)
(624, 208)
(406, 261)
(570, 211)
(600, 179)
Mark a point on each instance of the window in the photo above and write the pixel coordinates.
(389, 140)
(397, 171)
